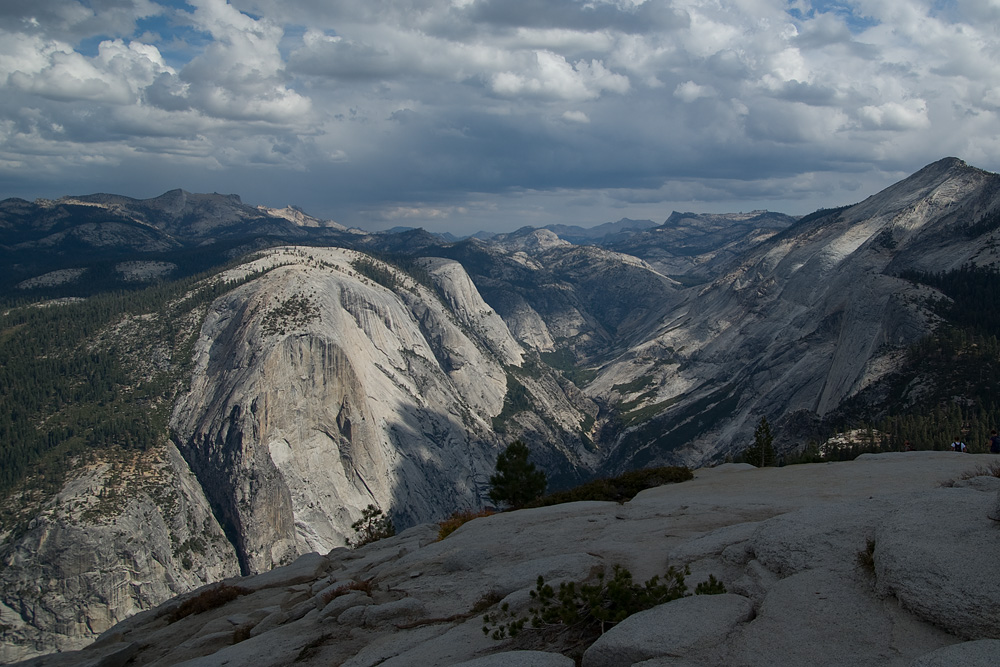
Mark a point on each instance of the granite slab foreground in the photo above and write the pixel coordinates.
(887, 560)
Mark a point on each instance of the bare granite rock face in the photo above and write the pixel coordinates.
(995, 510)
(416, 600)
(123, 536)
(327, 381)
(520, 659)
(981, 653)
(922, 537)
(801, 322)
(675, 629)
(590, 302)
(318, 391)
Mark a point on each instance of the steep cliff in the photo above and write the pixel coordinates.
(128, 531)
(590, 302)
(335, 381)
(803, 321)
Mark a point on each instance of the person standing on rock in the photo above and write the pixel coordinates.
(958, 446)
(994, 442)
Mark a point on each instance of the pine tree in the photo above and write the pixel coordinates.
(761, 453)
(372, 526)
(516, 481)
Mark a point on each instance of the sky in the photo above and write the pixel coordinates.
(466, 115)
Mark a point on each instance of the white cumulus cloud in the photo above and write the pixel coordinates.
(689, 91)
(551, 76)
(897, 116)
(353, 107)
(576, 117)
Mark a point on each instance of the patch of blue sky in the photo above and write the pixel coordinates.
(178, 42)
(291, 39)
(856, 21)
(171, 31)
(944, 8)
(88, 46)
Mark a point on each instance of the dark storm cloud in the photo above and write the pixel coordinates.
(73, 20)
(462, 114)
(574, 15)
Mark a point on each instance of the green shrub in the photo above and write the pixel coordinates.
(578, 613)
(711, 587)
(372, 526)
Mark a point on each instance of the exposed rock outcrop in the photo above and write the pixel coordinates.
(125, 534)
(318, 391)
(792, 599)
(590, 302)
(801, 322)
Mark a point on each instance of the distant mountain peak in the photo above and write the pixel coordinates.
(945, 163)
(297, 216)
(946, 178)
(728, 218)
(530, 239)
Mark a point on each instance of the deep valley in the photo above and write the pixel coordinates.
(194, 388)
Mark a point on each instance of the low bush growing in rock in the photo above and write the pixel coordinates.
(992, 469)
(208, 599)
(866, 558)
(578, 613)
(485, 601)
(456, 520)
(710, 587)
(242, 633)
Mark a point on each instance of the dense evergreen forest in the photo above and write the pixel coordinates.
(100, 265)
(81, 375)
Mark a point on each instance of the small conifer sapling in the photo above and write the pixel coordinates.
(516, 481)
(372, 526)
(761, 453)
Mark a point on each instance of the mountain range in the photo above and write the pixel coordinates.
(199, 388)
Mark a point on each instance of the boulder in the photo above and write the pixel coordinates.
(673, 629)
(438, 644)
(994, 513)
(828, 619)
(826, 535)
(306, 568)
(936, 554)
